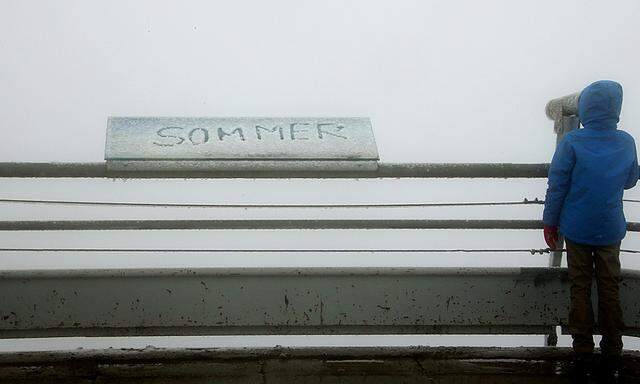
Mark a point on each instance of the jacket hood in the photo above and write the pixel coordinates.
(600, 104)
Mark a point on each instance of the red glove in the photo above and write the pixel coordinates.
(551, 235)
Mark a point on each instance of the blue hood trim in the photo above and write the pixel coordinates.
(600, 104)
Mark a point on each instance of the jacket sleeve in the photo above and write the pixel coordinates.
(633, 172)
(559, 182)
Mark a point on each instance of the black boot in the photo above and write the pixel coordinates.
(609, 370)
(581, 368)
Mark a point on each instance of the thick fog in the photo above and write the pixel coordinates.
(442, 81)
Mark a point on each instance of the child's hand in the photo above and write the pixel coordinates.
(551, 235)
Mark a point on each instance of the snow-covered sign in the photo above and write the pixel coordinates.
(140, 143)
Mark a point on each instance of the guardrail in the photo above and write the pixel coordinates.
(268, 301)
(249, 301)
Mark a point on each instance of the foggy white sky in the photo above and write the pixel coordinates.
(443, 81)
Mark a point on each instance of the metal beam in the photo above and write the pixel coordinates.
(252, 301)
(346, 365)
(111, 225)
(385, 170)
(91, 225)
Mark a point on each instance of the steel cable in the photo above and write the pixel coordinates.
(533, 251)
(525, 201)
(197, 205)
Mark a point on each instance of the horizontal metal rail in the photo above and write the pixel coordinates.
(91, 225)
(115, 225)
(253, 301)
(155, 355)
(535, 201)
(345, 365)
(533, 251)
(385, 170)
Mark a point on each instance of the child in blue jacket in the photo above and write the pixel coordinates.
(590, 170)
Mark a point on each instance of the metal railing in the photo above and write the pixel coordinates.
(285, 300)
(384, 170)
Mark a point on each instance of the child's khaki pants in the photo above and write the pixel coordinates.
(582, 259)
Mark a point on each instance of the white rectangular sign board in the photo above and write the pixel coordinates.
(140, 143)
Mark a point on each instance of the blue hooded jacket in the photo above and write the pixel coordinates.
(590, 170)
